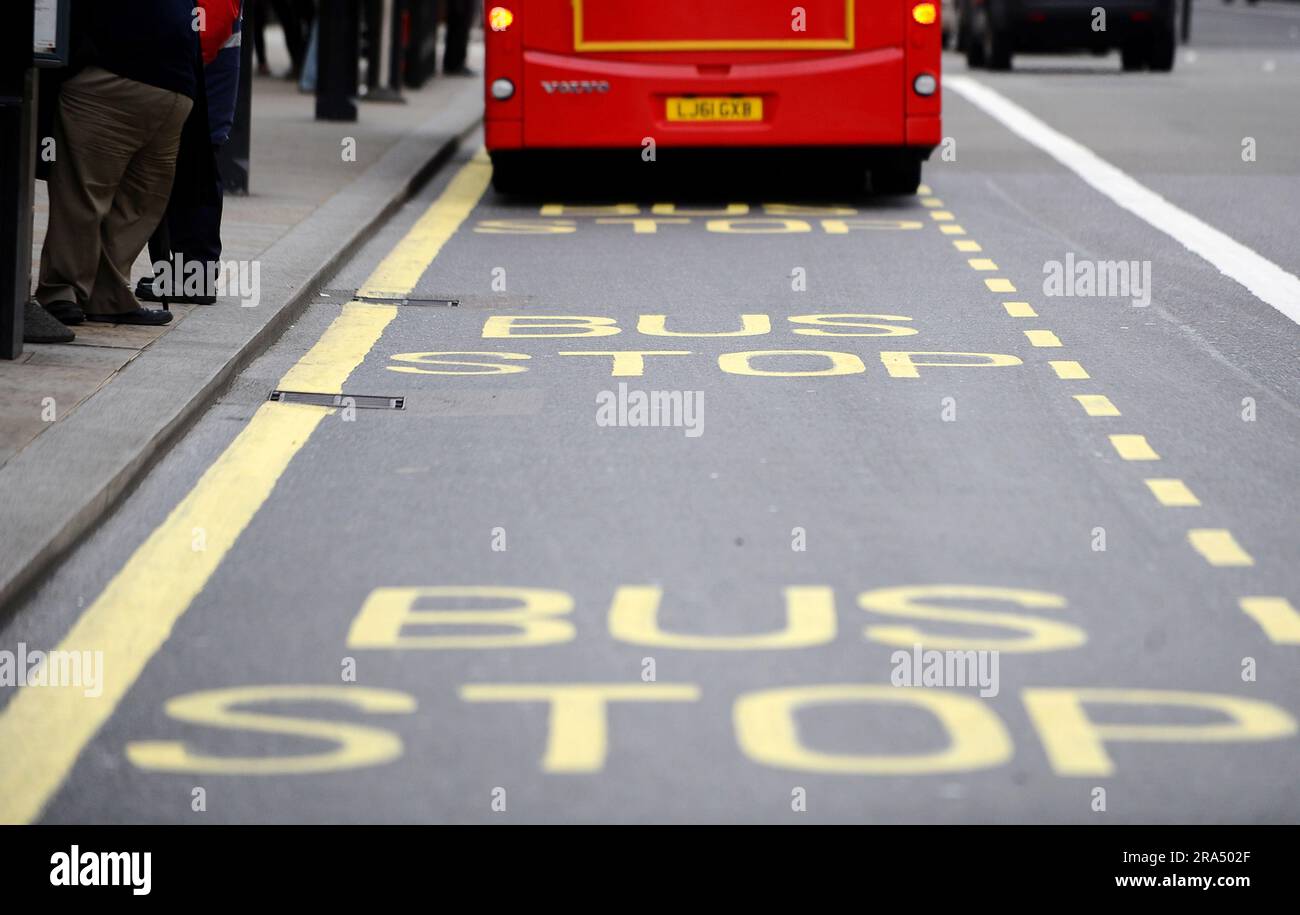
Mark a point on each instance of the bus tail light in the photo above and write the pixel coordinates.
(500, 18)
(925, 13)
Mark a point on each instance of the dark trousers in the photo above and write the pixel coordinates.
(192, 232)
(256, 22)
(460, 16)
(295, 18)
(117, 142)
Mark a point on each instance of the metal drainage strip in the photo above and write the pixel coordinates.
(360, 401)
(394, 300)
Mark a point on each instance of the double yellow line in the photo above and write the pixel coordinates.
(43, 730)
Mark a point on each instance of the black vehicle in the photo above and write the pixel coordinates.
(991, 31)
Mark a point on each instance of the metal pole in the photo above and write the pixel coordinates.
(17, 173)
(338, 54)
(383, 52)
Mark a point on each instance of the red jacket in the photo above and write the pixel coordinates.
(221, 16)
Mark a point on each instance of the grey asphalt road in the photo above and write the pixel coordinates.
(818, 523)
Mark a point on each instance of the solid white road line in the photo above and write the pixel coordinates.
(1265, 279)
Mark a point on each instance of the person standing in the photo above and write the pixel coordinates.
(460, 16)
(188, 240)
(117, 132)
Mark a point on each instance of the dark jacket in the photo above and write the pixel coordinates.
(99, 39)
(150, 41)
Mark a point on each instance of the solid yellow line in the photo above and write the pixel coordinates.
(1068, 369)
(1172, 493)
(1020, 309)
(398, 273)
(1097, 405)
(1042, 338)
(1133, 448)
(951, 228)
(1000, 284)
(1276, 616)
(1219, 547)
(133, 617)
(981, 263)
(326, 366)
(967, 245)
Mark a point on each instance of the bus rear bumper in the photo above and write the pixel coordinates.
(860, 99)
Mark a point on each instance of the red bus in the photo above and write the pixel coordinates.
(714, 74)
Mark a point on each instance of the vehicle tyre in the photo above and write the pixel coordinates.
(899, 177)
(973, 42)
(997, 50)
(1161, 51)
(1132, 58)
(510, 173)
(994, 44)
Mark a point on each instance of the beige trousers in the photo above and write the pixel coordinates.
(115, 156)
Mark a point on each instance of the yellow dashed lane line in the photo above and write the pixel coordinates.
(1097, 405)
(1068, 370)
(1172, 493)
(1275, 615)
(1219, 547)
(1042, 338)
(1132, 447)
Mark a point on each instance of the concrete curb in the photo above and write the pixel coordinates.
(57, 489)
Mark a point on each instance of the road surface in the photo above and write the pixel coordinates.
(884, 432)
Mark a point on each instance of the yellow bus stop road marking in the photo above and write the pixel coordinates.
(43, 731)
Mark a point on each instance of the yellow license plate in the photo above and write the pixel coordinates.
(723, 108)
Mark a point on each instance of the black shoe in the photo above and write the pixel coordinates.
(150, 317)
(146, 291)
(39, 326)
(460, 71)
(68, 312)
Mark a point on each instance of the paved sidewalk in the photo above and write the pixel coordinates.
(80, 423)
